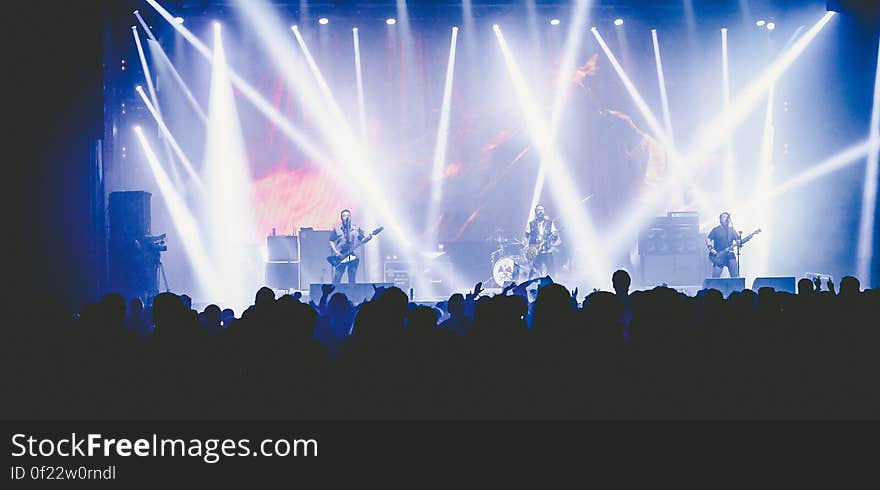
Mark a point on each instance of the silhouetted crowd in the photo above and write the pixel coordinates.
(647, 354)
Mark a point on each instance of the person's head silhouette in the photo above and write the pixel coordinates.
(621, 282)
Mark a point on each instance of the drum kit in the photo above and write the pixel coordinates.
(508, 258)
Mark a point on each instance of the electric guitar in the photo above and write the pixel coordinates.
(719, 257)
(346, 254)
(541, 246)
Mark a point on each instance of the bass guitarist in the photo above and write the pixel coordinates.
(721, 242)
(344, 240)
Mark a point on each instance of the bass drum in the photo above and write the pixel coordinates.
(508, 268)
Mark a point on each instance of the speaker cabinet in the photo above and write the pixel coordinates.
(356, 293)
(133, 269)
(129, 214)
(314, 247)
(726, 285)
(786, 284)
(282, 248)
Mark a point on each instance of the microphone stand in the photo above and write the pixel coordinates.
(738, 249)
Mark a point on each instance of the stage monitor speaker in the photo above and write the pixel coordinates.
(398, 272)
(726, 285)
(282, 248)
(129, 214)
(314, 247)
(282, 275)
(433, 280)
(356, 293)
(786, 284)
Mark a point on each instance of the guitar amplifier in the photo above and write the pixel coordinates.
(676, 233)
(282, 248)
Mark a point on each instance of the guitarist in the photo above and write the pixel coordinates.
(543, 237)
(343, 239)
(723, 237)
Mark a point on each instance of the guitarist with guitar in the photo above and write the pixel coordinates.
(543, 242)
(344, 241)
(722, 242)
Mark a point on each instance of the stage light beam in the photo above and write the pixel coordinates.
(594, 263)
(740, 107)
(439, 160)
(866, 240)
(573, 40)
(359, 77)
(729, 177)
(229, 200)
(181, 217)
(350, 153)
(171, 140)
(661, 82)
(718, 128)
(254, 97)
(175, 175)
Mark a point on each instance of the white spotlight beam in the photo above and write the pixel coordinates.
(728, 184)
(155, 47)
(762, 189)
(661, 81)
(348, 164)
(373, 256)
(362, 111)
(467, 13)
(181, 217)
(743, 104)
(229, 198)
(145, 26)
(840, 160)
(146, 67)
(865, 249)
(439, 163)
(721, 125)
(264, 106)
(192, 100)
(149, 77)
(569, 59)
(566, 196)
(563, 82)
(677, 165)
(350, 153)
(170, 138)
